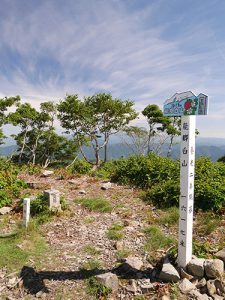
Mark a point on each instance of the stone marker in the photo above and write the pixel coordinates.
(53, 199)
(26, 211)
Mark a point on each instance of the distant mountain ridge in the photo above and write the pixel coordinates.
(213, 148)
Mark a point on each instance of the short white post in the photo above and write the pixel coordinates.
(26, 211)
(187, 166)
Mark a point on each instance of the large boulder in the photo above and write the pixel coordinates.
(196, 267)
(109, 280)
(169, 273)
(214, 268)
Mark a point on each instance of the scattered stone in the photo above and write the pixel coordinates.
(211, 287)
(146, 286)
(165, 297)
(109, 280)
(201, 283)
(106, 186)
(5, 210)
(132, 287)
(12, 221)
(196, 267)
(221, 255)
(47, 173)
(186, 286)
(119, 245)
(214, 268)
(169, 273)
(217, 297)
(82, 192)
(132, 264)
(184, 274)
(220, 287)
(198, 296)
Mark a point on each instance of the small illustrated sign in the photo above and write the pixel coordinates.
(186, 104)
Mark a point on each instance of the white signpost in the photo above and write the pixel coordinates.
(187, 106)
(26, 211)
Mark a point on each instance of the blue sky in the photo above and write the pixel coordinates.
(141, 50)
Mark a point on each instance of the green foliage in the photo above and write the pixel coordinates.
(115, 232)
(91, 250)
(95, 204)
(207, 222)
(80, 167)
(221, 159)
(123, 253)
(160, 178)
(201, 250)
(145, 171)
(10, 186)
(156, 239)
(96, 289)
(95, 119)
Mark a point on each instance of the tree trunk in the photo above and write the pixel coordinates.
(170, 147)
(23, 146)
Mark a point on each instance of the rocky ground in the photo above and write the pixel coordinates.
(79, 247)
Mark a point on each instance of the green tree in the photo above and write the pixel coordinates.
(173, 129)
(95, 119)
(24, 117)
(137, 139)
(5, 103)
(156, 121)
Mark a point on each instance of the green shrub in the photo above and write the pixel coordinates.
(10, 186)
(80, 167)
(160, 178)
(165, 194)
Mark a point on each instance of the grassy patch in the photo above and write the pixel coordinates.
(170, 217)
(89, 220)
(91, 250)
(95, 204)
(16, 250)
(123, 253)
(156, 239)
(115, 232)
(207, 222)
(91, 264)
(96, 289)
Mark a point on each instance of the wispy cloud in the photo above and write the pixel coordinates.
(54, 48)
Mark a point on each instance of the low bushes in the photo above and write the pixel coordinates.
(160, 178)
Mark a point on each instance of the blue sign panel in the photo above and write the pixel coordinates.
(186, 104)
